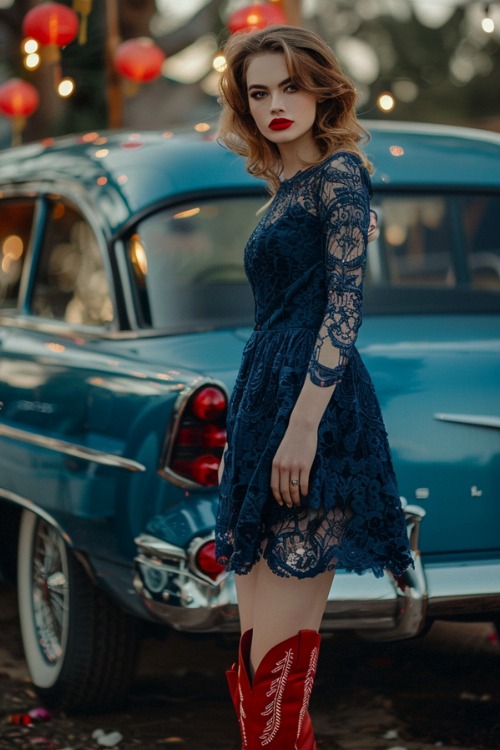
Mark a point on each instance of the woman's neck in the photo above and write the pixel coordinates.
(295, 155)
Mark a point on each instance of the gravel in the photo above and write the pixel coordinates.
(439, 691)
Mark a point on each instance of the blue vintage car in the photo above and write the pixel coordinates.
(124, 310)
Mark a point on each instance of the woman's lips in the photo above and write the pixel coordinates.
(280, 124)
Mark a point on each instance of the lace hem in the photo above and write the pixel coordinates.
(396, 568)
(308, 541)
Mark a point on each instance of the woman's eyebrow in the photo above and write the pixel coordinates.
(263, 86)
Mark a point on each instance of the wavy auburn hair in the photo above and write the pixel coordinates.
(313, 68)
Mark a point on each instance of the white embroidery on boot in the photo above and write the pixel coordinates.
(273, 709)
(308, 686)
(241, 718)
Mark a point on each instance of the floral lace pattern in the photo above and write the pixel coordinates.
(305, 261)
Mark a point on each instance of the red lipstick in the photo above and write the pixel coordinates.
(279, 123)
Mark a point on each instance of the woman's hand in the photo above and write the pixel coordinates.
(292, 465)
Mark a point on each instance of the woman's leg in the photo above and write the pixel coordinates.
(277, 662)
(277, 608)
(246, 587)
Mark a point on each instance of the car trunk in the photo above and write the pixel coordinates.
(437, 380)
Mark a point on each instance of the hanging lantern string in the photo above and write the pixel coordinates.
(83, 8)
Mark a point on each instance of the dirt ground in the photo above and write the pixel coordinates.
(439, 691)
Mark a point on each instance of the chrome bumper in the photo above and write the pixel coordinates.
(463, 589)
(174, 591)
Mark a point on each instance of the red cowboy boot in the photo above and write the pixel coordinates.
(232, 677)
(306, 737)
(273, 712)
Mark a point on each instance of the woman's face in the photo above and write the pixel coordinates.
(282, 112)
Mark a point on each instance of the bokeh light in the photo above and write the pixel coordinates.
(386, 102)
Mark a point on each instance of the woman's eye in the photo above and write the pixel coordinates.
(291, 87)
(258, 94)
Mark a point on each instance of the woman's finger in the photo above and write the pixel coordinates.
(285, 488)
(275, 485)
(295, 487)
(304, 483)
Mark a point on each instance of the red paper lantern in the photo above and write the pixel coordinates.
(139, 59)
(51, 24)
(18, 100)
(255, 17)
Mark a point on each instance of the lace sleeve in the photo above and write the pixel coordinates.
(344, 214)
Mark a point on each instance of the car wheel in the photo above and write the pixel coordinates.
(80, 647)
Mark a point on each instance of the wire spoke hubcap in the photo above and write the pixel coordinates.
(50, 591)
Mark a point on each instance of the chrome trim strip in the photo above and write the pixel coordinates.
(71, 449)
(476, 420)
(154, 547)
(26, 504)
(414, 515)
(14, 319)
(60, 328)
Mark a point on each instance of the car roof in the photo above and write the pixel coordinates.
(434, 156)
(126, 174)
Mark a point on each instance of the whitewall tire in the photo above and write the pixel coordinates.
(80, 648)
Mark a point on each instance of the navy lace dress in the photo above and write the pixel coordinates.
(305, 261)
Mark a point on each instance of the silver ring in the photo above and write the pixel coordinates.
(294, 482)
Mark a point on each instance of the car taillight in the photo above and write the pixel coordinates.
(206, 562)
(200, 437)
(209, 403)
(210, 435)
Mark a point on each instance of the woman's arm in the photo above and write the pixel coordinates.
(344, 215)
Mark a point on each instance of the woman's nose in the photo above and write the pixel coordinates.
(276, 103)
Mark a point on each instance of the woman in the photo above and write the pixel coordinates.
(307, 484)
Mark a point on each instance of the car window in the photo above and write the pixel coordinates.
(481, 237)
(187, 264)
(70, 281)
(16, 223)
(438, 250)
(435, 252)
(416, 242)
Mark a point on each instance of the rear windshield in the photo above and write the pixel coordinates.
(187, 264)
(434, 253)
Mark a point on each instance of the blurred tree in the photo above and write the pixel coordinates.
(438, 63)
